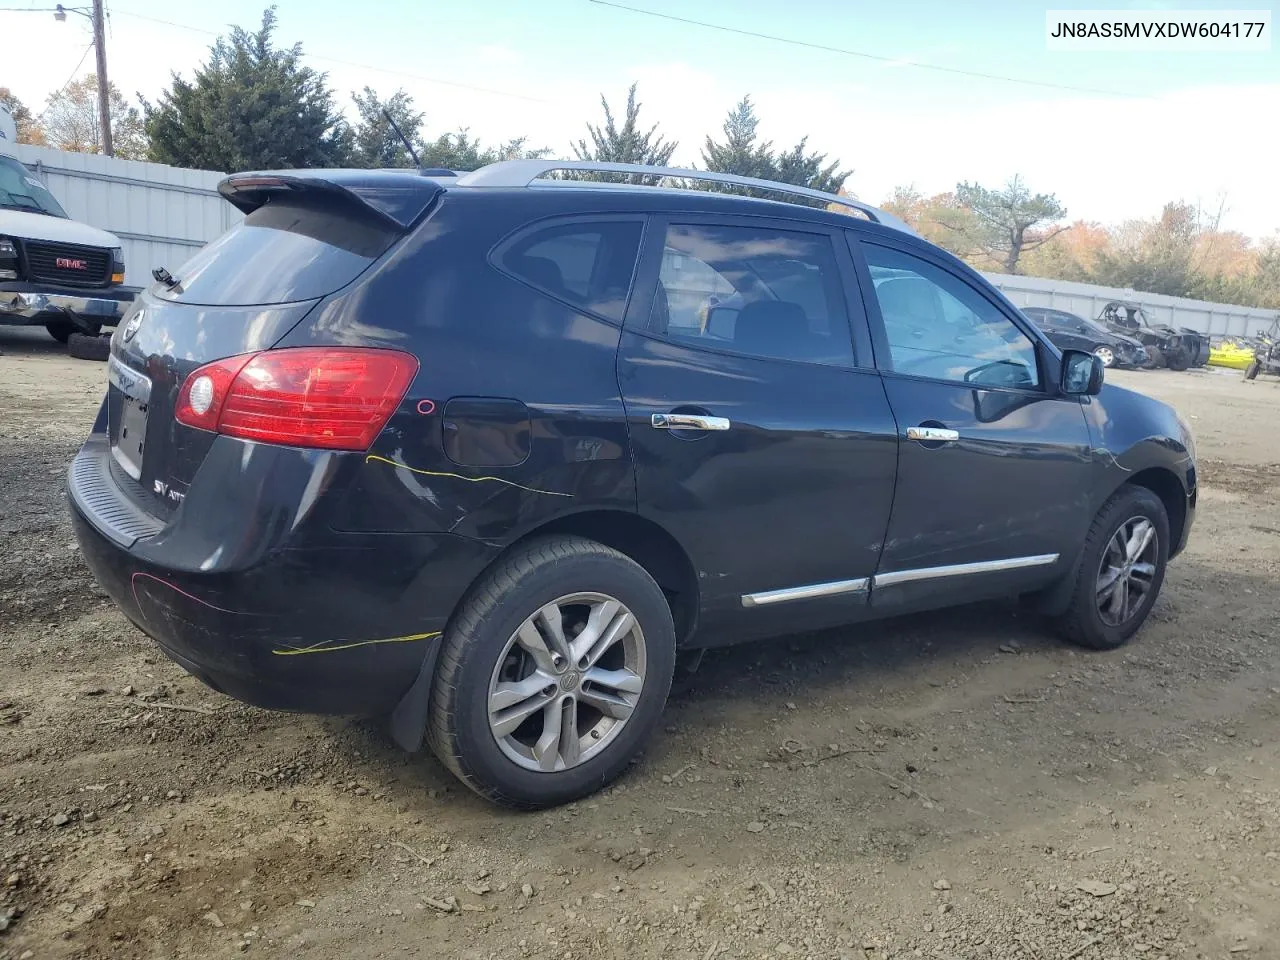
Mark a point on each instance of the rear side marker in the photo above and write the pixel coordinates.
(373, 457)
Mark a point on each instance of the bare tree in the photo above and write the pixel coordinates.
(71, 121)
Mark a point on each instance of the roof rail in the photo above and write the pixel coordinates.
(522, 173)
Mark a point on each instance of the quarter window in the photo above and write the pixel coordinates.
(589, 265)
(941, 328)
(752, 290)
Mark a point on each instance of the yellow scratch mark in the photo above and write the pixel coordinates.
(322, 648)
(457, 476)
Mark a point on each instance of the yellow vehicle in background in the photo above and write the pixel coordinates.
(1235, 354)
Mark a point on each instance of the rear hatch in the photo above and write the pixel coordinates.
(305, 235)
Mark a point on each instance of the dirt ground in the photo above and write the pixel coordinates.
(949, 786)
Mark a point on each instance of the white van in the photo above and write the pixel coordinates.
(54, 272)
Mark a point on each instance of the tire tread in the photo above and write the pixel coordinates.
(483, 601)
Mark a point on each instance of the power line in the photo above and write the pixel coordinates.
(858, 53)
(350, 63)
(79, 64)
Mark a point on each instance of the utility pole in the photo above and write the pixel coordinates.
(104, 101)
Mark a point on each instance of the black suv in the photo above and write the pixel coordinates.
(489, 453)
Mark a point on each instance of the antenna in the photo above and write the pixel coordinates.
(403, 139)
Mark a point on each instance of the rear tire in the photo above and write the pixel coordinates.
(1097, 617)
(60, 330)
(1105, 354)
(487, 660)
(84, 347)
(1251, 371)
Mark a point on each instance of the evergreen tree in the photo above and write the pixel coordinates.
(252, 106)
(742, 154)
(626, 144)
(375, 143)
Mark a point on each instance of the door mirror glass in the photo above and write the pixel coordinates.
(1001, 373)
(1082, 373)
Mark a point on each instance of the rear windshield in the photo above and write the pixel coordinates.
(281, 253)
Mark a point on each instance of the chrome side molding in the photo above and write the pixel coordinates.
(962, 569)
(808, 592)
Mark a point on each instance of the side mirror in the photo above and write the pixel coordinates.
(1082, 373)
(720, 321)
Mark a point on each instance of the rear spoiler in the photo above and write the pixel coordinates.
(397, 198)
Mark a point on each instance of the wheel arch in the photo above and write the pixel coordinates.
(1164, 483)
(645, 542)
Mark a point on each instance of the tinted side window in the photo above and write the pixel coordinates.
(940, 327)
(589, 265)
(753, 290)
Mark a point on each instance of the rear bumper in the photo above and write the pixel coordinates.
(337, 624)
(25, 303)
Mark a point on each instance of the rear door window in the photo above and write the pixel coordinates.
(754, 290)
(281, 253)
(588, 264)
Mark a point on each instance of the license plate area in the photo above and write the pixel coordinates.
(127, 416)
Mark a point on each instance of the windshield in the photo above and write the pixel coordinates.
(19, 190)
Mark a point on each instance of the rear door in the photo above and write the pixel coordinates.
(993, 469)
(762, 436)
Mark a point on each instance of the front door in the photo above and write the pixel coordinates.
(762, 437)
(993, 467)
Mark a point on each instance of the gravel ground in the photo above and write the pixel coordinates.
(949, 786)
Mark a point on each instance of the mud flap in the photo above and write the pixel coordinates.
(409, 719)
(1053, 600)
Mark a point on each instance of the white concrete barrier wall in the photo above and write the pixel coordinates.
(1087, 300)
(161, 214)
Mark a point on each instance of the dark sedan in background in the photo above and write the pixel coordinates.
(1070, 332)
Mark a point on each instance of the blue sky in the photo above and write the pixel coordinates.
(1188, 126)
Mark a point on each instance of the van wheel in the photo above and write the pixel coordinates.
(552, 674)
(1120, 572)
(60, 330)
(82, 346)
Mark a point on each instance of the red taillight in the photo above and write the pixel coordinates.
(338, 398)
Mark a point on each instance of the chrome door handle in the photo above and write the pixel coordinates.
(688, 421)
(932, 433)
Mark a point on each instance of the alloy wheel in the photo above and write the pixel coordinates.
(1127, 571)
(1106, 355)
(567, 682)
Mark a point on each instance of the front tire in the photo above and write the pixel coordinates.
(1251, 371)
(552, 674)
(1105, 354)
(1155, 358)
(1120, 572)
(1179, 359)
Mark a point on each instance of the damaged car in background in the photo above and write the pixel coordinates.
(1177, 348)
(1067, 331)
